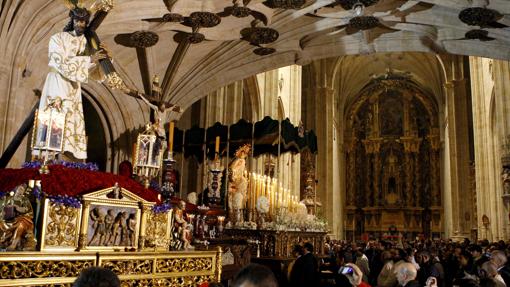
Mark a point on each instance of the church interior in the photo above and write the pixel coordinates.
(385, 119)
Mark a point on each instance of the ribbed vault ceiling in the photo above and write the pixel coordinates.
(316, 31)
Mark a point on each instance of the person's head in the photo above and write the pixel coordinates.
(465, 258)
(79, 21)
(405, 272)
(97, 277)
(339, 258)
(386, 256)
(19, 191)
(498, 257)
(359, 252)
(255, 275)
(400, 254)
(490, 269)
(423, 257)
(126, 168)
(476, 250)
(182, 204)
(308, 247)
(297, 250)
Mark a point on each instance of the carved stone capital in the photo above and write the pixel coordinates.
(372, 145)
(411, 144)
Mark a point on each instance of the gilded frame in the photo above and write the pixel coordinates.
(52, 232)
(159, 228)
(99, 200)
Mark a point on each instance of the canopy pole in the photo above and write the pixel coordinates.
(227, 174)
(204, 166)
(182, 167)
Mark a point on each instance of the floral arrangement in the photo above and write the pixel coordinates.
(262, 204)
(162, 208)
(301, 209)
(192, 197)
(203, 208)
(63, 182)
(65, 200)
(155, 186)
(237, 200)
(76, 165)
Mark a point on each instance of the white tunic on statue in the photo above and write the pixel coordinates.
(67, 72)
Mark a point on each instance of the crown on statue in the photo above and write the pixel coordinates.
(90, 5)
(243, 151)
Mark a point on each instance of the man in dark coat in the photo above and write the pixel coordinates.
(427, 268)
(305, 271)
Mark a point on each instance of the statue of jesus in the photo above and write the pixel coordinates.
(69, 68)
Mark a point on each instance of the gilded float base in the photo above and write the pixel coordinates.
(133, 268)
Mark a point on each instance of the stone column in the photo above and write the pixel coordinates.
(457, 201)
(491, 129)
(325, 99)
(501, 76)
(319, 108)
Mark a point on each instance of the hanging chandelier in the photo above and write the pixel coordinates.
(479, 16)
(350, 4)
(285, 4)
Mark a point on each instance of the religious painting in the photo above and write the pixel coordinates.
(143, 152)
(112, 226)
(49, 130)
(391, 114)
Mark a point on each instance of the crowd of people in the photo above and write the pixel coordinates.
(420, 263)
(388, 264)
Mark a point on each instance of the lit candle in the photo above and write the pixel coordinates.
(257, 187)
(171, 137)
(217, 147)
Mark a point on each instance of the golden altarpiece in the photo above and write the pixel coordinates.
(392, 155)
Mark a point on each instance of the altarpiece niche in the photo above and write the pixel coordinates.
(392, 159)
